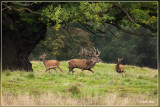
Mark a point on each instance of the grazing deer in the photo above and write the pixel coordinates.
(85, 64)
(119, 68)
(50, 64)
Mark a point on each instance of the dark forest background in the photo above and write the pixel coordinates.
(136, 50)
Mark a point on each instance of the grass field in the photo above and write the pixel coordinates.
(104, 87)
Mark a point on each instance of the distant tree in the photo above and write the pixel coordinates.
(140, 51)
(62, 44)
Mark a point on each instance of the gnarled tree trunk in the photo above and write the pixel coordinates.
(18, 41)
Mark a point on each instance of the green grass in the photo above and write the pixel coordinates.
(105, 80)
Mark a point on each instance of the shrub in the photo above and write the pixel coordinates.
(8, 73)
(31, 76)
(140, 77)
(74, 89)
(155, 76)
(155, 92)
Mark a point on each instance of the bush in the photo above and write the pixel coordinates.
(74, 89)
(155, 92)
(8, 73)
(31, 76)
(140, 77)
(155, 76)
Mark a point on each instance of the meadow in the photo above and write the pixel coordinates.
(105, 87)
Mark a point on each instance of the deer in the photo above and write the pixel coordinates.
(85, 64)
(50, 64)
(119, 68)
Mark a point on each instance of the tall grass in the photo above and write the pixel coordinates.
(104, 87)
(59, 99)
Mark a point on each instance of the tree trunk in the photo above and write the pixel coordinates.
(18, 41)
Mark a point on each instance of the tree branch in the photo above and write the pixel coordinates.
(148, 27)
(122, 9)
(20, 10)
(70, 35)
(130, 32)
(91, 31)
(6, 7)
(110, 31)
(129, 18)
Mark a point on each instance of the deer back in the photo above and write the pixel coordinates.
(51, 63)
(80, 63)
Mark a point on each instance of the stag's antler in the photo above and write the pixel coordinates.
(90, 53)
(95, 51)
(44, 54)
(85, 52)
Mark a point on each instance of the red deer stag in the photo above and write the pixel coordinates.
(50, 64)
(119, 68)
(85, 64)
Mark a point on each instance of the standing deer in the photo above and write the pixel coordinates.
(50, 64)
(85, 64)
(119, 68)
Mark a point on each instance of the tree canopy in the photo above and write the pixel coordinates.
(124, 15)
(93, 17)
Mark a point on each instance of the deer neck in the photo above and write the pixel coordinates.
(90, 63)
(93, 62)
(118, 66)
(44, 61)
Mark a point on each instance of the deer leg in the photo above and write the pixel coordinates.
(91, 71)
(55, 70)
(46, 70)
(50, 71)
(70, 69)
(60, 69)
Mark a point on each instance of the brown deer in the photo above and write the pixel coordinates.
(85, 64)
(119, 68)
(50, 64)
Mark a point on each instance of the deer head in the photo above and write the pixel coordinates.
(120, 60)
(43, 56)
(93, 53)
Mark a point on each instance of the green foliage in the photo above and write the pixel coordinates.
(93, 13)
(90, 13)
(59, 45)
(141, 51)
(136, 50)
